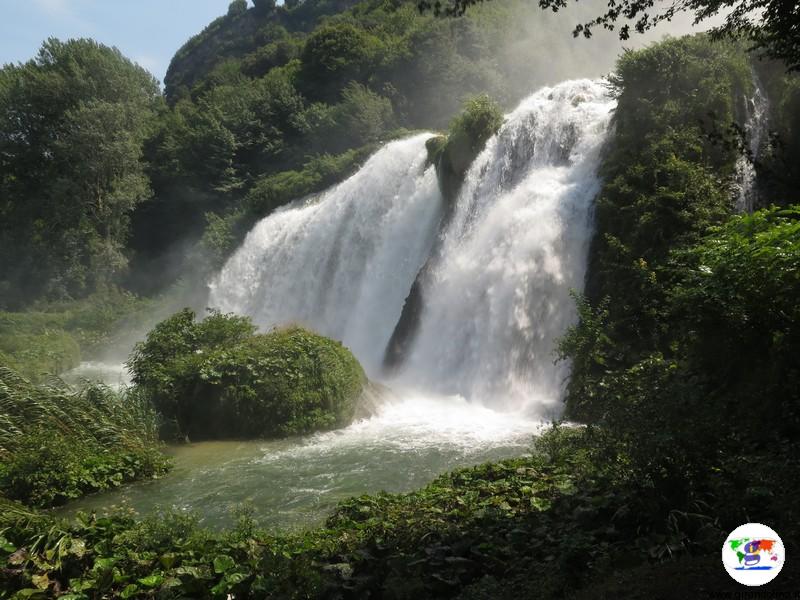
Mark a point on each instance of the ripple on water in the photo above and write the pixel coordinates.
(296, 482)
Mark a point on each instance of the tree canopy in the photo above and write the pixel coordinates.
(771, 25)
(72, 126)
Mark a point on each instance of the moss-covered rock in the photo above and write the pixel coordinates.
(466, 138)
(217, 378)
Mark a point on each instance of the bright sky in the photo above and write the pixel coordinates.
(146, 31)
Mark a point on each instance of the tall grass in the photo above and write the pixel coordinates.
(95, 414)
(57, 443)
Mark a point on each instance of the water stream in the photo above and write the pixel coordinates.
(478, 380)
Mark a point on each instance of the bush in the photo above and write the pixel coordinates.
(217, 378)
(467, 136)
(57, 444)
(276, 190)
(470, 131)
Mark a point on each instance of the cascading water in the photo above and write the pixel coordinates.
(498, 296)
(514, 243)
(756, 110)
(343, 262)
(517, 243)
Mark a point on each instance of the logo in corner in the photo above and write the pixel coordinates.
(753, 554)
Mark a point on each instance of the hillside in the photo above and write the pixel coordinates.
(475, 326)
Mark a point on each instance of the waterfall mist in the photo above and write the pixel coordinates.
(343, 263)
(517, 243)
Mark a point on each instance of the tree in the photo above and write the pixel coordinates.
(334, 54)
(771, 25)
(72, 125)
(264, 6)
(237, 7)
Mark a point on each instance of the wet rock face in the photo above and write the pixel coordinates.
(408, 323)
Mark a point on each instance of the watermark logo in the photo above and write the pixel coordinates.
(753, 554)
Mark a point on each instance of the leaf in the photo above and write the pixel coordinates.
(129, 591)
(540, 503)
(104, 564)
(152, 581)
(168, 560)
(7, 546)
(77, 547)
(223, 563)
(41, 581)
(31, 593)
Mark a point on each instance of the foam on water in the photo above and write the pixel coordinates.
(499, 295)
(479, 378)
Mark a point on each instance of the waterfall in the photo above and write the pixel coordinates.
(497, 296)
(516, 245)
(341, 263)
(756, 112)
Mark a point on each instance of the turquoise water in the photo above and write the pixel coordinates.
(296, 482)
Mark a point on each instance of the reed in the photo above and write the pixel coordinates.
(57, 442)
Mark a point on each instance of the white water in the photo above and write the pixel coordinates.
(755, 131)
(517, 244)
(479, 377)
(341, 263)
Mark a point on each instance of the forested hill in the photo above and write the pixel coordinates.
(266, 105)
(260, 37)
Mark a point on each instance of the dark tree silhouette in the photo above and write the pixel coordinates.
(772, 25)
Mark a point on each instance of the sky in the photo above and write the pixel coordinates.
(146, 31)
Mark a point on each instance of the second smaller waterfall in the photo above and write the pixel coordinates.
(755, 134)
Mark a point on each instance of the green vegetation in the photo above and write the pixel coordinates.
(56, 336)
(216, 378)
(556, 524)
(57, 444)
(684, 362)
(466, 137)
(643, 318)
(72, 125)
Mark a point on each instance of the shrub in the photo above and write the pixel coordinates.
(57, 444)
(274, 191)
(467, 136)
(470, 131)
(216, 378)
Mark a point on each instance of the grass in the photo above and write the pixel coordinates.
(57, 443)
(54, 337)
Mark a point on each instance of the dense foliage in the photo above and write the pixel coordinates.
(217, 378)
(668, 177)
(685, 349)
(563, 522)
(72, 126)
(57, 444)
(770, 25)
